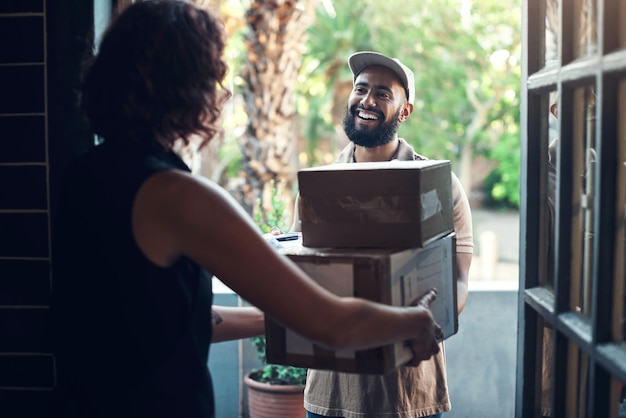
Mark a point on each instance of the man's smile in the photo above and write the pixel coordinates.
(367, 115)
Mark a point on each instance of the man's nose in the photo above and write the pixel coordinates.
(368, 100)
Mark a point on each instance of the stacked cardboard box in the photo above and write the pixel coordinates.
(395, 204)
(380, 231)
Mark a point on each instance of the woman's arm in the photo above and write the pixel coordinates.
(176, 214)
(232, 323)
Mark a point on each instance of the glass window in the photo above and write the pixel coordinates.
(577, 381)
(581, 188)
(552, 33)
(621, 22)
(619, 328)
(553, 140)
(585, 29)
(582, 164)
(547, 350)
(618, 398)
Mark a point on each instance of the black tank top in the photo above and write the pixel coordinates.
(131, 338)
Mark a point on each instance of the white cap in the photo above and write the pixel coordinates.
(359, 60)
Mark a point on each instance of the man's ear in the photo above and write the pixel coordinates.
(407, 109)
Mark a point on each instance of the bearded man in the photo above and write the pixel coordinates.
(383, 98)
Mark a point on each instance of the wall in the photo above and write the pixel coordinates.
(25, 363)
(41, 46)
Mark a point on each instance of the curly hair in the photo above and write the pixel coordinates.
(157, 76)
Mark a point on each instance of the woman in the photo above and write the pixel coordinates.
(137, 235)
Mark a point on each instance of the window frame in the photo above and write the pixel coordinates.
(593, 335)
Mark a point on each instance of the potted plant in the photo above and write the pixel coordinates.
(274, 390)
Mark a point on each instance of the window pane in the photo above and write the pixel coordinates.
(585, 32)
(622, 23)
(583, 166)
(618, 398)
(577, 381)
(552, 32)
(553, 139)
(546, 370)
(620, 235)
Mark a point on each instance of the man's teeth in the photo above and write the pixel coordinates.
(367, 116)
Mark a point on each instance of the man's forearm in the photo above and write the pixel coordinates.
(463, 262)
(461, 295)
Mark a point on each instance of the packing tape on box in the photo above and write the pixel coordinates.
(431, 205)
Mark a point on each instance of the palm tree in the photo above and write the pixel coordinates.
(340, 28)
(275, 43)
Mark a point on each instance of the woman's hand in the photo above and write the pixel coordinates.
(426, 343)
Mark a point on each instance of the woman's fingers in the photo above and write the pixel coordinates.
(426, 343)
(427, 298)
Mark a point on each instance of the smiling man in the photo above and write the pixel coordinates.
(382, 98)
(379, 102)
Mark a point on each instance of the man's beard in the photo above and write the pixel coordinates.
(369, 138)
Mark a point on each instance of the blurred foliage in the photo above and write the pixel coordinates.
(276, 216)
(466, 59)
(332, 38)
(502, 184)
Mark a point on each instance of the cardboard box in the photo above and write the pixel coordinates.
(393, 277)
(397, 204)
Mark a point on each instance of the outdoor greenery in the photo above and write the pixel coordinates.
(503, 181)
(466, 58)
(275, 215)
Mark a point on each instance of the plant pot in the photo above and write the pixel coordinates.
(274, 401)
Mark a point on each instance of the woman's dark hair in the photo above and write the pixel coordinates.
(157, 75)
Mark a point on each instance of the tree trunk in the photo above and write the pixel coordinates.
(205, 161)
(479, 121)
(275, 43)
